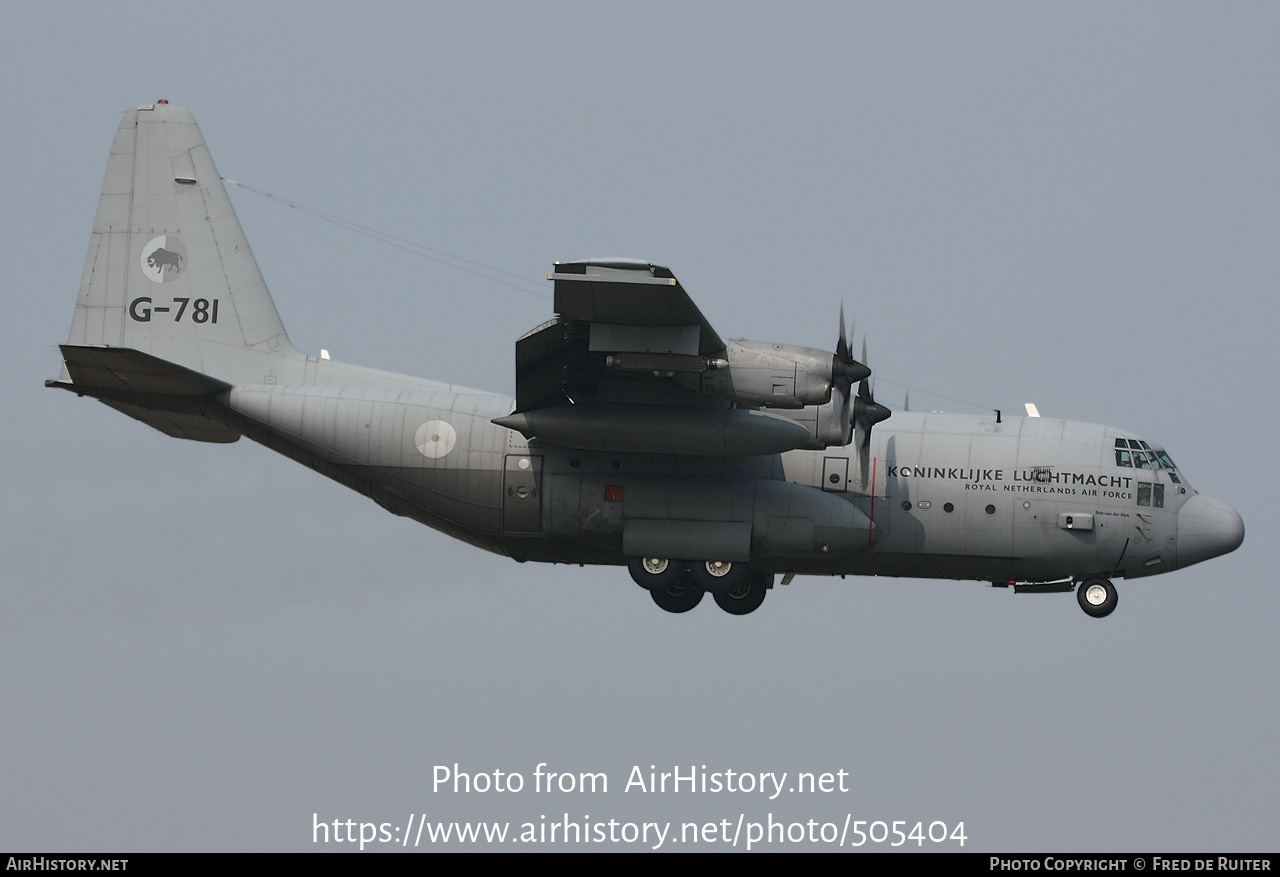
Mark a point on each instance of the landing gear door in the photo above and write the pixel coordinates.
(522, 494)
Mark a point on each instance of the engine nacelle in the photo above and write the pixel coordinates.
(768, 375)
(827, 429)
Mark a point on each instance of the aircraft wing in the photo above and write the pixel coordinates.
(620, 320)
(619, 369)
(643, 297)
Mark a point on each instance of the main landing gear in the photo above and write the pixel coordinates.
(678, 586)
(1097, 596)
(745, 597)
(678, 598)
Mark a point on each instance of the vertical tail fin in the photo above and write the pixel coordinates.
(169, 272)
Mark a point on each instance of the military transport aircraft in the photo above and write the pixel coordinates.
(638, 435)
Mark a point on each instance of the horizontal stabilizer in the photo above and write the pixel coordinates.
(168, 397)
(95, 369)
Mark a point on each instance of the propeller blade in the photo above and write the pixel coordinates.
(841, 403)
(866, 414)
(842, 345)
(843, 366)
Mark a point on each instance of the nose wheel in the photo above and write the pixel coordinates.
(1097, 597)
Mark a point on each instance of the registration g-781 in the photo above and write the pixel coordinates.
(201, 310)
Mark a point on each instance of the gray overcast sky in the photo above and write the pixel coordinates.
(1072, 204)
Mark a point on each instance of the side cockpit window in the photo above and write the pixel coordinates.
(1150, 495)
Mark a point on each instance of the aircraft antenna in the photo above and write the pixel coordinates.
(414, 247)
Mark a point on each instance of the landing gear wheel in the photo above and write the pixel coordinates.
(1097, 597)
(745, 598)
(677, 598)
(655, 573)
(719, 575)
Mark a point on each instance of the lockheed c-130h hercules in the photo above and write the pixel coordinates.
(638, 436)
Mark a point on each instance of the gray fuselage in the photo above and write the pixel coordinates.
(949, 496)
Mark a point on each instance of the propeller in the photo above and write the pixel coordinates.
(866, 414)
(844, 371)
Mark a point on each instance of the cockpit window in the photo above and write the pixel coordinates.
(1137, 454)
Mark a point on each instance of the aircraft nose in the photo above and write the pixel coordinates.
(1207, 528)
